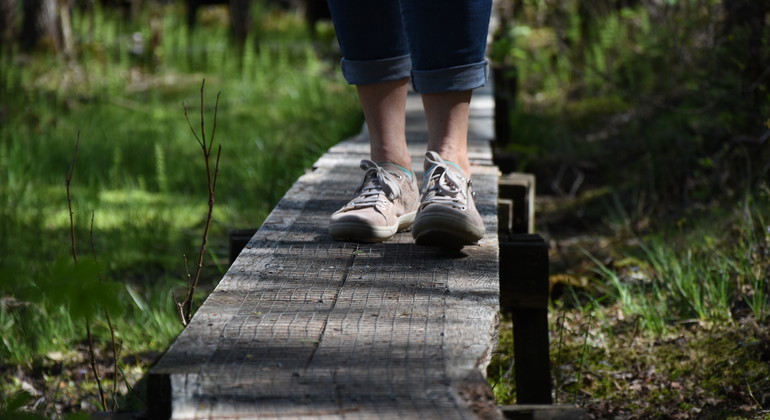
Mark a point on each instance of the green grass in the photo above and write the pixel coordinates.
(656, 170)
(713, 270)
(139, 175)
(652, 178)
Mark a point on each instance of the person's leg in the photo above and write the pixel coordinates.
(447, 39)
(387, 199)
(447, 116)
(447, 215)
(377, 61)
(384, 106)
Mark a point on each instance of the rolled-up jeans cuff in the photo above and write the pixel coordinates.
(375, 71)
(452, 79)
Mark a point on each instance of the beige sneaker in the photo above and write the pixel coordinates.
(386, 203)
(447, 216)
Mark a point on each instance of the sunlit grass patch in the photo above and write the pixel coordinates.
(139, 192)
(652, 181)
(715, 269)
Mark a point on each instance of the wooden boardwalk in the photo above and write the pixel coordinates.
(305, 327)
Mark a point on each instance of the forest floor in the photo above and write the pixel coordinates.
(603, 360)
(652, 194)
(620, 346)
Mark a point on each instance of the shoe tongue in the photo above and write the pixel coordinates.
(434, 159)
(450, 167)
(396, 169)
(455, 168)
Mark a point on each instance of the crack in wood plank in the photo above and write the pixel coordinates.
(334, 303)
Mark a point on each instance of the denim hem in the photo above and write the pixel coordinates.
(360, 72)
(452, 79)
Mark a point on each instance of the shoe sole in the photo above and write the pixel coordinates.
(445, 231)
(361, 232)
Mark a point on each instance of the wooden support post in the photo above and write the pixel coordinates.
(544, 412)
(524, 294)
(159, 397)
(504, 217)
(239, 238)
(505, 83)
(524, 287)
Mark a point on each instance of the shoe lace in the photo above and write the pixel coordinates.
(377, 187)
(443, 186)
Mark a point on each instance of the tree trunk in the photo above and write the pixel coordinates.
(40, 25)
(7, 22)
(65, 24)
(315, 11)
(240, 20)
(745, 27)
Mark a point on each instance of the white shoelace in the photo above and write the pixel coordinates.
(443, 186)
(377, 187)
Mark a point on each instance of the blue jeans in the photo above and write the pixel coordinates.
(439, 43)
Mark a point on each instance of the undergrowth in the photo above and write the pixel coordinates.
(138, 192)
(647, 125)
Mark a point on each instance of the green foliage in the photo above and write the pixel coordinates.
(638, 98)
(46, 308)
(651, 93)
(501, 368)
(697, 275)
(646, 125)
(13, 409)
(79, 288)
(139, 195)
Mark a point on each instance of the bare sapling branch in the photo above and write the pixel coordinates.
(203, 120)
(94, 370)
(214, 126)
(180, 307)
(68, 182)
(185, 307)
(73, 247)
(116, 348)
(190, 125)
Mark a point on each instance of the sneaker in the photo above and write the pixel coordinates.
(386, 203)
(447, 215)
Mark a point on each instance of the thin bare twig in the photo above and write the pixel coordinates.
(73, 246)
(214, 127)
(95, 371)
(115, 347)
(203, 120)
(68, 181)
(559, 346)
(583, 356)
(190, 125)
(185, 307)
(116, 351)
(180, 305)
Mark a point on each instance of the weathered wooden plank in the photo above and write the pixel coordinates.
(302, 326)
(544, 412)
